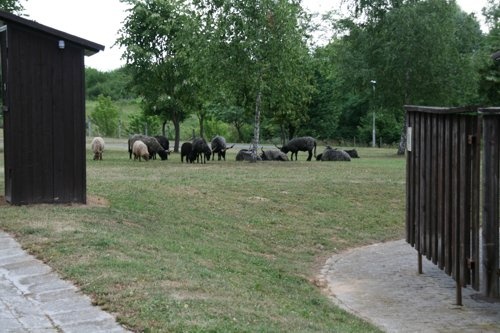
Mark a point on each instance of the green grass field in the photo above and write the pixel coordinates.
(221, 247)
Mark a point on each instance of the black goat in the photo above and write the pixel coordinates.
(353, 153)
(330, 154)
(201, 150)
(305, 143)
(219, 146)
(187, 151)
(163, 141)
(153, 145)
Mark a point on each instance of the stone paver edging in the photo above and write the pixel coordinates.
(380, 283)
(33, 298)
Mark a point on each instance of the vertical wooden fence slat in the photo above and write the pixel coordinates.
(440, 168)
(448, 265)
(490, 245)
(475, 159)
(434, 189)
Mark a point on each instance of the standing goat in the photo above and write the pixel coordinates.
(305, 143)
(201, 150)
(219, 146)
(140, 150)
(97, 147)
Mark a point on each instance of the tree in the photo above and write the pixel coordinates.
(158, 36)
(490, 69)
(105, 116)
(12, 6)
(114, 84)
(257, 56)
(419, 52)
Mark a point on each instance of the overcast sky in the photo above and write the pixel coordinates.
(100, 20)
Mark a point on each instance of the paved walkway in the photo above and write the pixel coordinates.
(34, 299)
(380, 284)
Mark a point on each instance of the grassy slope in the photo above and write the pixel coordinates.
(222, 247)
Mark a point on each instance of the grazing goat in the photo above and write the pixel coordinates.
(97, 147)
(153, 145)
(201, 150)
(140, 150)
(219, 146)
(187, 151)
(163, 141)
(305, 143)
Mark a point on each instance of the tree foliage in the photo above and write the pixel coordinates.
(258, 57)
(115, 84)
(157, 37)
(12, 6)
(490, 68)
(105, 116)
(418, 52)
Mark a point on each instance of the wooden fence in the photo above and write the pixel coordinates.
(443, 190)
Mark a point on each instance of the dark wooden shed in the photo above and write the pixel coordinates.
(43, 90)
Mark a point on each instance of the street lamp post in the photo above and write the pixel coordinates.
(373, 82)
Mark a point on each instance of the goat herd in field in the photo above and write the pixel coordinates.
(147, 147)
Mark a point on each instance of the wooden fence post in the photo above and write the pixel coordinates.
(491, 184)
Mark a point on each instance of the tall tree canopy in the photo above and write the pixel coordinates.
(13, 6)
(259, 57)
(418, 52)
(157, 36)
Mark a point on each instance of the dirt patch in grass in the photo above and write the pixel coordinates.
(92, 201)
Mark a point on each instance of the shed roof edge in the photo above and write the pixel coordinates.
(90, 47)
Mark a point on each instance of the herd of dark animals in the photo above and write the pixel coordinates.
(200, 151)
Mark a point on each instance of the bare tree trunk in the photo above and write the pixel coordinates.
(177, 131)
(163, 128)
(256, 128)
(201, 122)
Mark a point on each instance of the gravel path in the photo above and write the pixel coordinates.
(380, 283)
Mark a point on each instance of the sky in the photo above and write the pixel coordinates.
(100, 20)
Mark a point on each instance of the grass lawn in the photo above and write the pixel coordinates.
(221, 247)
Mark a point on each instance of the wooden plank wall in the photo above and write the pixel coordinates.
(45, 132)
(443, 169)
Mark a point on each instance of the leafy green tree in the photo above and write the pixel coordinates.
(115, 84)
(234, 115)
(490, 68)
(105, 116)
(418, 52)
(140, 123)
(258, 56)
(12, 6)
(157, 36)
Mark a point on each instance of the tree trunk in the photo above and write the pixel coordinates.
(238, 130)
(163, 127)
(177, 130)
(201, 119)
(256, 128)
